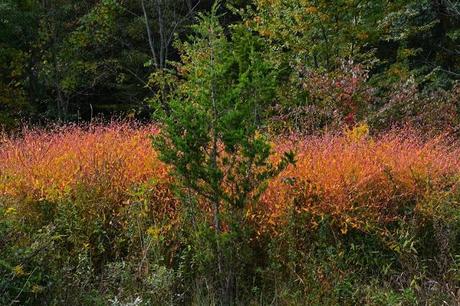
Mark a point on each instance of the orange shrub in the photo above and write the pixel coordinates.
(357, 180)
(107, 160)
(361, 182)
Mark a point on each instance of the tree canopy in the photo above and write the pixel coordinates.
(340, 61)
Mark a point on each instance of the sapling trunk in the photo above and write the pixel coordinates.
(211, 134)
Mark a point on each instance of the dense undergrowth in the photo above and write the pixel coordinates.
(90, 216)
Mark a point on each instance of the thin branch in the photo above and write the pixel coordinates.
(186, 17)
(149, 34)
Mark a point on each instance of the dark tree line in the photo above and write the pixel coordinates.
(73, 60)
(63, 59)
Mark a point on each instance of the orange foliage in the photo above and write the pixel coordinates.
(359, 182)
(51, 165)
(362, 182)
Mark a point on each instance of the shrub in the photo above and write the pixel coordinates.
(79, 185)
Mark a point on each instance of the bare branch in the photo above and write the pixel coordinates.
(149, 35)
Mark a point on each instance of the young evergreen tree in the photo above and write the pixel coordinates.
(212, 134)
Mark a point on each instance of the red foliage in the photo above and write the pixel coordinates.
(344, 90)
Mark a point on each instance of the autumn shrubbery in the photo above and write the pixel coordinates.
(356, 209)
(90, 215)
(77, 197)
(365, 182)
(47, 165)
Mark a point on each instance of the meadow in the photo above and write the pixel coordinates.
(229, 152)
(90, 216)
